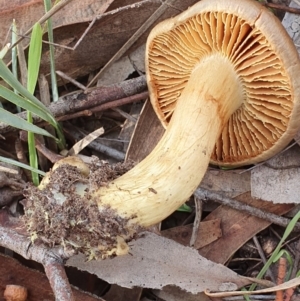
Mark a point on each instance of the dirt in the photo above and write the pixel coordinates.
(58, 215)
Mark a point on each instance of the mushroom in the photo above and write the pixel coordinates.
(223, 77)
(15, 293)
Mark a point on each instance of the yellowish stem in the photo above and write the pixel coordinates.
(162, 182)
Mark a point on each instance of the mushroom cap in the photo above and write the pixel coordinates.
(264, 58)
(15, 293)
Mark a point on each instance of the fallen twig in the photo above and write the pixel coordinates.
(284, 8)
(51, 259)
(263, 257)
(205, 194)
(94, 97)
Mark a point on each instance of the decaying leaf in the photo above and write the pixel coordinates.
(208, 232)
(27, 12)
(281, 176)
(238, 227)
(155, 262)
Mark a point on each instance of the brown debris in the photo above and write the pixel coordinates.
(102, 173)
(12, 272)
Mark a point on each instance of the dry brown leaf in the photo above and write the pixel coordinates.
(129, 125)
(208, 232)
(27, 12)
(281, 176)
(238, 227)
(106, 37)
(155, 262)
(180, 234)
(147, 133)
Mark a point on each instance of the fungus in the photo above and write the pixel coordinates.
(15, 293)
(223, 77)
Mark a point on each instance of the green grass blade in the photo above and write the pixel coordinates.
(47, 5)
(14, 60)
(33, 158)
(22, 102)
(17, 122)
(289, 259)
(22, 165)
(34, 57)
(184, 208)
(286, 233)
(7, 76)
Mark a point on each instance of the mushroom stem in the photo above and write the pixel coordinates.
(164, 180)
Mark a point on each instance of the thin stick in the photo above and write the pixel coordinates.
(270, 217)
(51, 259)
(79, 101)
(120, 102)
(198, 216)
(283, 8)
(59, 281)
(70, 79)
(262, 256)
